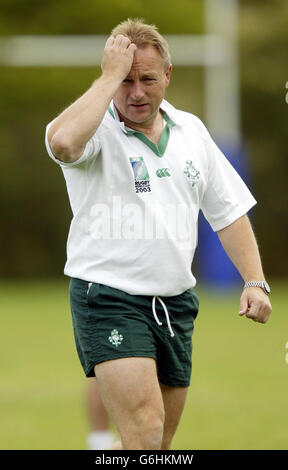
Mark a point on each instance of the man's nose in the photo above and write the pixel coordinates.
(137, 91)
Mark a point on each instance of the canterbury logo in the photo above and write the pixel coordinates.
(163, 172)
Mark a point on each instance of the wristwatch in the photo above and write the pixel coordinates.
(263, 284)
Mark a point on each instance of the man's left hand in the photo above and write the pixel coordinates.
(255, 304)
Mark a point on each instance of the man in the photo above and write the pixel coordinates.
(137, 172)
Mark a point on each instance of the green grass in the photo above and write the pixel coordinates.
(238, 393)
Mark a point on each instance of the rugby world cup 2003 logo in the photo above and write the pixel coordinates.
(191, 173)
(141, 175)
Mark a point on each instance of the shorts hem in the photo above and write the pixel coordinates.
(175, 383)
(89, 372)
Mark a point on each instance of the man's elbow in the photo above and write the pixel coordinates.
(63, 149)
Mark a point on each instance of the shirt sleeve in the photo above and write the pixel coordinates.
(92, 149)
(226, 197)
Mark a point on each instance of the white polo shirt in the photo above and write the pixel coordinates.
(135, 204)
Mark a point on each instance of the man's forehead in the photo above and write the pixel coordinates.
(146, 59)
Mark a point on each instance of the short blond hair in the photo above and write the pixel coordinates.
(143, 34)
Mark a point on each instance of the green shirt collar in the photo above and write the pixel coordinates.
(159, 149)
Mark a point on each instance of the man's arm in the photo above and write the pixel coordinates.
(239, 242)
(72, 129)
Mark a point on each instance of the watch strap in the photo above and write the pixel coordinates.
(262, 284)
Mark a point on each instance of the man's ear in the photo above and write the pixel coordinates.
(168, 75)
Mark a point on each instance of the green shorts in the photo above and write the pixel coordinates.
(111, 324)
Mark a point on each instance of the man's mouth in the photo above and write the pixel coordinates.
(139, 106)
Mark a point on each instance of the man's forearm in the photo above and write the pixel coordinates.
(72, 129)
(239, 242)
(70, 132)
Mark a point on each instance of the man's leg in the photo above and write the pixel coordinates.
(131, 393)
(100, 435)
(174, 400)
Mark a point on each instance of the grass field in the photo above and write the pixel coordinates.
(238, 397)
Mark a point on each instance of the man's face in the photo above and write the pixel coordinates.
(140, 94)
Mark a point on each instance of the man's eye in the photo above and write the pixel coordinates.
(127, 80)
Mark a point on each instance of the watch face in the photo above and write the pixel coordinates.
(267, 287)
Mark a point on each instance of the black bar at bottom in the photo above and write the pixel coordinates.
(127, 459)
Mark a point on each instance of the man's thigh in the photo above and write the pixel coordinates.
(128, 386)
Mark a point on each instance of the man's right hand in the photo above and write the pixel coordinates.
(72, 129)
(118, 57)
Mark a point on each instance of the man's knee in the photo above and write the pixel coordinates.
(147, 425)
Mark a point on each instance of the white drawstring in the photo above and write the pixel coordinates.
(166, 313)
(89, 286)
